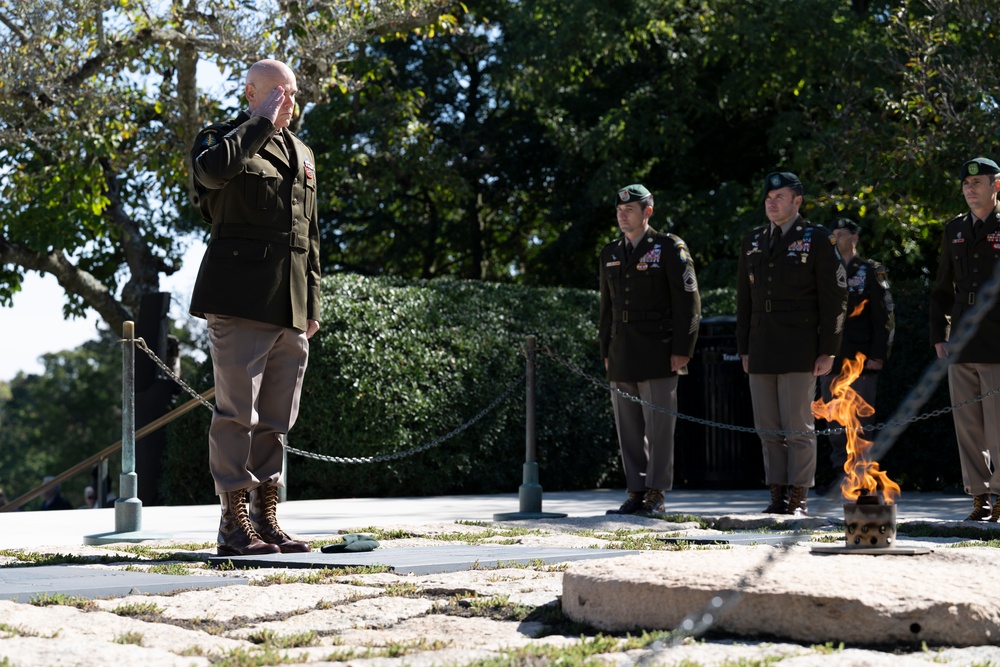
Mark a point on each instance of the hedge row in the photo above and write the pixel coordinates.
(400, 364)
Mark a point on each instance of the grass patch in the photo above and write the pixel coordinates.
(129, 638)
(324, 575)
(497, 608)
(174, 569)
(274, 640)
(403, 590)
(8, 631)
(917, 529)
(392, 650)
(254, 658)
(61, 599)
(138, 609)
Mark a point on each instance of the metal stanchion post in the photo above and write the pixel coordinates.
(530, 491)
(128, 506)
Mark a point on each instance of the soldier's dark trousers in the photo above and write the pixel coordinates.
(783, 402)
(645, 435)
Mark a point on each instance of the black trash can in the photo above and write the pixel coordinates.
(716, 389)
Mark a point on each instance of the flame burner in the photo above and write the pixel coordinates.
(869, 523)
(869, 528)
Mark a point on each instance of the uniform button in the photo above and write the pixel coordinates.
(770, 278)
(627, 302)
(236, 252)
(628, 289)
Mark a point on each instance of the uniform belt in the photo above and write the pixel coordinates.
(627, 316)
(291, 239)
(967, 298)
(773, 306)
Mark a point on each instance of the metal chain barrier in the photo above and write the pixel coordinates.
(141, 344)
(602, 384)
(514, 384)
(378, 458)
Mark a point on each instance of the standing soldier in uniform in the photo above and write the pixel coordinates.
(258, 286)
(869, 329)
(970, 247)
(650, 312)
(791, 297)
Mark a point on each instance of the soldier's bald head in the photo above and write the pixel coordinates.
(268, 70)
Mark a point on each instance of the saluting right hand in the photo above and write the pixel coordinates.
(271, 104)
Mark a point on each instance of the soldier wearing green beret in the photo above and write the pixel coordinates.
(868, 331)
(650, 313)
(970, 247)
(258, 287)
(791, 295)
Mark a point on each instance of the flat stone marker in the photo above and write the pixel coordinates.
(422, 560)
(946, 597)
(23, 583)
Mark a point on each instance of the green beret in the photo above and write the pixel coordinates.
(846, 223)
(630, 193)
(979, 165)
(781, 179)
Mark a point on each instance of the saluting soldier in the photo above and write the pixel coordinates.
(970, 247)
(869, 329)
(650, 313)
(259, 288)
(791, 298)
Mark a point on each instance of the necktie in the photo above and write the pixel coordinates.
(775, 237)
(628, 250)
(977, 227)
(279, 141)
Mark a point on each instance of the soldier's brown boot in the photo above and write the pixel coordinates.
(631, 505)
(652, 503)
(797, 501)
(995, 514)
(778, 504)
(236, 536)
(264, 518)
(981, 508)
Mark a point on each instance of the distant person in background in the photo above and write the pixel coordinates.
(89, 499)
(970, 247)
(53, 499)
(649, 318)
(869, 329)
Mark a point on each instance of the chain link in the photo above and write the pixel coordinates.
(422, 448)
(141, 344)
(378, 458)
(601, 384)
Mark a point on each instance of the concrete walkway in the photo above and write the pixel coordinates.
(317, 519)
(611, 573)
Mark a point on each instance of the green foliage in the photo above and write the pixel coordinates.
(398, 365)
(54, 420)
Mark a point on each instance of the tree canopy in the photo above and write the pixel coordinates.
(494, 152)
(100, 103)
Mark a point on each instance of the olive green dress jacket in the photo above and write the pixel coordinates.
(791, 302)
(262, 261)
(650, 307)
